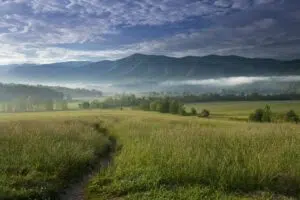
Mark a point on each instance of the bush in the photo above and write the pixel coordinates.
(144, 105)
(257, 115)
(193, 111)
(204, 113)
(159, 107)
(95, 104)
(181, 110)
(267, 114)
(84, 105)
(291, 116)
(152, 106)
(261, 115)
(174, 107)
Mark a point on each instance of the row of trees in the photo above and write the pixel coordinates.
(266, 115)
(208, 97)
(164, 105)
(158, 104)
(130, 100)
(30, 104)
(10, 92)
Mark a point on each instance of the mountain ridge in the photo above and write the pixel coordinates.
(142, 66)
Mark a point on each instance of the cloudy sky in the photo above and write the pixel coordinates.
(44, 31)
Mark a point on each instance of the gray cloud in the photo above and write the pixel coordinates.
(30, 29)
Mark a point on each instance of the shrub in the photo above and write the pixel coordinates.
(85, 105)
(173, 108)
(95, 104)
(165, 105)
(204, 113)
(267, 114)
(159, 107)
(152, 106)
(291, 116)
(181, 110)
(144, 105)
(257, 115)
(261, 115)
(193, 111)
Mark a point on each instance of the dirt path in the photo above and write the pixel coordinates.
(77, 190)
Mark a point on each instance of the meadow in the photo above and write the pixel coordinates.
(39, 158)
(240, 110)
(158, 156)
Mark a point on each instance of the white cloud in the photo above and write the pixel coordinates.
(30, 29)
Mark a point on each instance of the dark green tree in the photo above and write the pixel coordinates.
(257, 115)
(267, 114)
(86, 105)
(49, 105)
(291, 116)
(174, 107)
(193, 111)
(204, 113)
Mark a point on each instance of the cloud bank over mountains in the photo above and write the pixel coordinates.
(44, 31)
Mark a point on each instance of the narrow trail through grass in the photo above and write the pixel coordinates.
(77, 191)
(39, 159)
(172, 157)
(157, 156)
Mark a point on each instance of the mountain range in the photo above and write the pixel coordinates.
(149, 67)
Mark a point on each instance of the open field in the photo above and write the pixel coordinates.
(159, 156)
(242, 109)
(39, 158)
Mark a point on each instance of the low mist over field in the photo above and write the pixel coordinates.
(232, 81)
(198, 85)
(144, 73)
(149, 99)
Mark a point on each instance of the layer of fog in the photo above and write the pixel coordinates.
(231, 81)
(67, 84)
(146, 86)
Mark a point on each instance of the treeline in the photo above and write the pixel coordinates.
(267, 116)
(28, 104)
(10, 92)
(119, 101)
(23, 98)
(76, 92)
(131, 100)
(158, 104)
(210, 97)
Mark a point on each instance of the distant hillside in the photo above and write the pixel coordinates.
(141, 66)
(76, 93)
(10, 92)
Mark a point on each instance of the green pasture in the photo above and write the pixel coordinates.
(157, 156)
(242, 109)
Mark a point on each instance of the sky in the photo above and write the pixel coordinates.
(47, 31)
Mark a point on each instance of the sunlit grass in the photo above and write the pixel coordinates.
(39, 158)
(167, 157)
(159, 156)
(242, 109)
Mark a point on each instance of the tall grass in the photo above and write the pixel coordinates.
(242, 109)
(39, 158)
(159, 156)
(166, 157)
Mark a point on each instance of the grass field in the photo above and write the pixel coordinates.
(159, 156)
(40, 158)
(242, 109)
